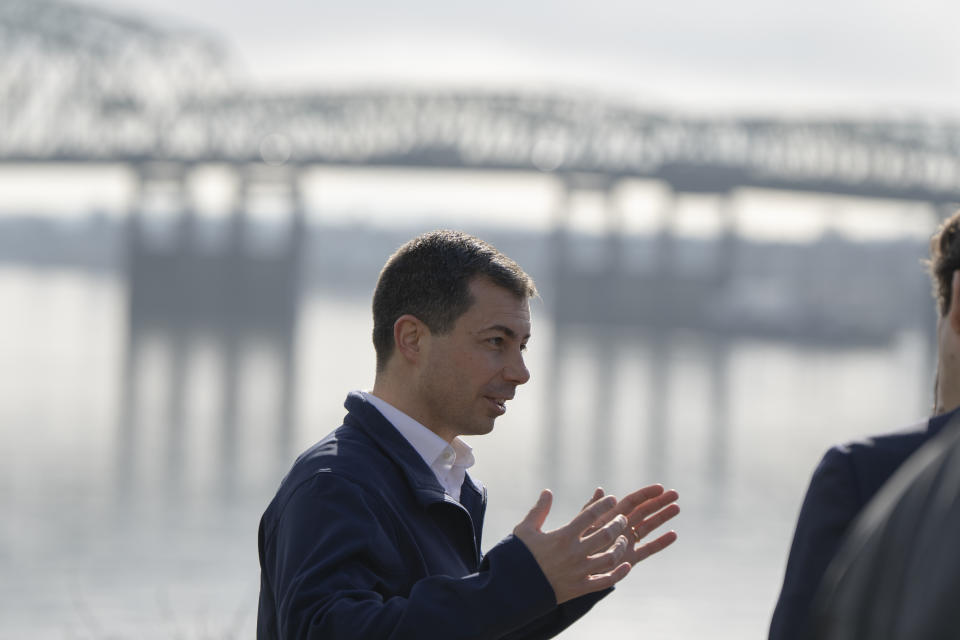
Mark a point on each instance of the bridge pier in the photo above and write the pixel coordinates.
(728, 244)
(665, 242)
(646, 307)
(237, 292)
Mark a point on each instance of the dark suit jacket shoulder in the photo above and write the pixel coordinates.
(847, 477)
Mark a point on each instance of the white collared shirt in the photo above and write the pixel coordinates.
(449, 462)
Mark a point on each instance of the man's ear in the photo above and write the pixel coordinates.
(408, 337)
(953, 313)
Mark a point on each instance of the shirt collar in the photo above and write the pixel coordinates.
(464, 453)
(428, 444)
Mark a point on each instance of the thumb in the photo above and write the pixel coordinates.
(538, 514)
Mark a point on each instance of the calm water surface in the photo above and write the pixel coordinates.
(132, 497)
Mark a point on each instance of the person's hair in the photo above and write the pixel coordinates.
(944, 260)
(429, 278)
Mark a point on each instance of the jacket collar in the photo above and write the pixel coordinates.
(938, 422)
(365, 416)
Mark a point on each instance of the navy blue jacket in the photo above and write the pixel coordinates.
(843, 483)
(361, 542)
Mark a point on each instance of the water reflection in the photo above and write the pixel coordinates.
(208, 403)
(624, 404)
(185, 287)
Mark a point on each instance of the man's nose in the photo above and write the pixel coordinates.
(516, 372)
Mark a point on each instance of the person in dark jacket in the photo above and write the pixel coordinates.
(897, 574)
(849, 476)
(376, 530)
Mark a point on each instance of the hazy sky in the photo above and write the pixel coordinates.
(756, 55)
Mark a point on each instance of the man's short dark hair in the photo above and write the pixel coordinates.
(944, 260)
(429, 278)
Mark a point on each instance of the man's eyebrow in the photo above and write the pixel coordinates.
(510, 333)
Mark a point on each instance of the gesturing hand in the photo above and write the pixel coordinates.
(645, 509)
(574, 560)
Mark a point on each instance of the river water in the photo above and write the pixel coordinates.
(132, 497)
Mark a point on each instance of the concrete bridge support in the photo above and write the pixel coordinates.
(235, 292)
(631, 304)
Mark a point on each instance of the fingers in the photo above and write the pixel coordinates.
(597, 494)
(637, 511)
(606, 535)
(597, 548)
(607, 580)
(645, 526)
(644, 551)
(636, 499)
(606, 569)
(538, 514)
(591, 514)
(609, 558)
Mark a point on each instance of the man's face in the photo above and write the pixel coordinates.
(468, 374)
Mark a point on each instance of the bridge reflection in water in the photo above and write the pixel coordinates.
(718, 293)
(235, 360)
(233, 285)
(190, 283)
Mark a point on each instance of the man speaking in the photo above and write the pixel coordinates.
(375, 531)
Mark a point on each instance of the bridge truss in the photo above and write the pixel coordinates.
(80, 85)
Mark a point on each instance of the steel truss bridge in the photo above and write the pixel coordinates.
(81, 85)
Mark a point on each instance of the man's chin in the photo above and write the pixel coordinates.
(480, 428)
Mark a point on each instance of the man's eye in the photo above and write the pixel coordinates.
(523, 347)
(498, 341)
